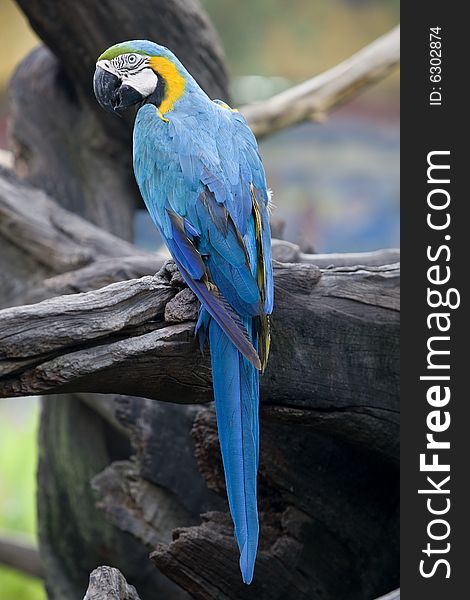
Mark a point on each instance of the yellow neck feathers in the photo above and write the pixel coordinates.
(174, 81)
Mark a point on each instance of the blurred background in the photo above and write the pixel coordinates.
(336, 185)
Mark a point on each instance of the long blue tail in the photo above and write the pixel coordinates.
(236, 392)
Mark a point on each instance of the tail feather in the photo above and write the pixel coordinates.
(236, 392)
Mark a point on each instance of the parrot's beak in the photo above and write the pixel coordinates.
(105, 86)
(111, 94)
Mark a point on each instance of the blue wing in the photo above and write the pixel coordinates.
(204, 185)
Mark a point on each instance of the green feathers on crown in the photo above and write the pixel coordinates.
(119, 49)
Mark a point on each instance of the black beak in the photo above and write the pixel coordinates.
(111, 95)
(105, 86)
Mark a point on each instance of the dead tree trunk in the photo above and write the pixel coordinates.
(123, 476)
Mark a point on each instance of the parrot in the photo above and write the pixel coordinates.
(198, 169)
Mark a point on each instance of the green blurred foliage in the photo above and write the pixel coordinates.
(18, 457)
(299, 38)
(14, 586)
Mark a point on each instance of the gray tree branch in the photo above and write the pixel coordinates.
(73, 255)
(312, 99)
(18, 553)
(136, 337)
(52, 235)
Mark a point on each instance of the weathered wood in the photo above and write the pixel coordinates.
(312, 99)
(139, 507)
(120, 339)
(51, 251)
(70, 254)
(284, 251)
(308, 483)
(75, 536)
(161, 436)
(107, 583)
(40, 243)
(104, 271)
(314, 519)
(18, 553)
(94, 276)
(278, 555)
(18, 269)
(53, 236)
(305, 537)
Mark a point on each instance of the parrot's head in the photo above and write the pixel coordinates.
(136, 72)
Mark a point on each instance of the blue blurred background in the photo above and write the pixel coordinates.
(335, 184)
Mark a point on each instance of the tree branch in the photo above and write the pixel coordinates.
(20, 554)
(136, 337)
(287, 252)
(81, 256)
(311, 100)
(41, 243)
(52, 235)
(106, 271)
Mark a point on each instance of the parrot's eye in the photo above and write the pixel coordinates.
(132, 59)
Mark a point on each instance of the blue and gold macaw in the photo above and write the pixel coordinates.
(199, 172)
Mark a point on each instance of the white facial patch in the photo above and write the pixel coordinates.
(133, 70)
(145, 81)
